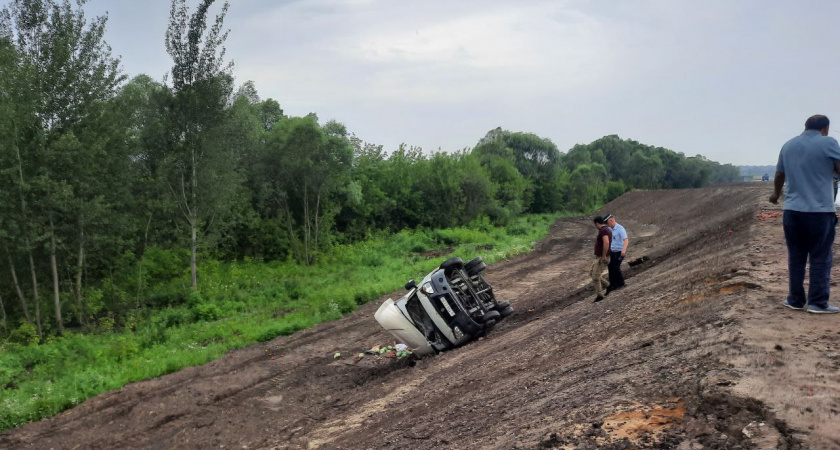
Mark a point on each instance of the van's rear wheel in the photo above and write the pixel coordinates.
(491, 316)
(452, 264)
(488, 327)
(501, 306)
(475, 266)
(506, 312)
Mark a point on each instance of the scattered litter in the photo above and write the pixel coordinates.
(377, 352)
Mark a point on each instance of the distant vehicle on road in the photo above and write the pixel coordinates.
(452, 306)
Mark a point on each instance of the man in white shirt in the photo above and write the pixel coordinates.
(618, 249)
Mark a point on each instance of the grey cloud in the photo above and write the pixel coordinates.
(729, 80)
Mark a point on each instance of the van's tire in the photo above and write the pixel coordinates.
(475, 269)
(501, 306)
(473, 262)
(452, 264)
(489, 316)
(488, 327)
(506, 312)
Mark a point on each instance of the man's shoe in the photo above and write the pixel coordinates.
(798, 308)
(608, 290)
(598, 298)
(827, 310)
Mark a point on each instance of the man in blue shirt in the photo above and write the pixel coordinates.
(618, 248)
(807, 164)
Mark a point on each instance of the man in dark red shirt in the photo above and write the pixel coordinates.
(599, 263)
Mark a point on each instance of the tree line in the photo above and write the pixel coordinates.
(110, 185)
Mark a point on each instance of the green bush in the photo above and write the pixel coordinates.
(458, 236)
(124, 347)
(363, 296)
(293, 289)
(172, 317)
(517, 230)
(25, 334)
(161, 265)
(206, 312)
(373, 260)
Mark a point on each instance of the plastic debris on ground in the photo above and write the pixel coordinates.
(377, 353)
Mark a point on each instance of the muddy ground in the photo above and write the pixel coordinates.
(696, 352)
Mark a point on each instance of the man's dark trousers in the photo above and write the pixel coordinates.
(809, 235)
(614, 268)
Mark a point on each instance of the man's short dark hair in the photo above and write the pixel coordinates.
(816, 122)
(598, 220)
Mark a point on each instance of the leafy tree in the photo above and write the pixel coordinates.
(534, 157)
(644, 166)
(303, 166)
(513, 191)
(69, 70)
(587, 187)
(365, 200)
(647, 171)
(200, 169)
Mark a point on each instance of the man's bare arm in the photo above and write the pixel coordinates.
(778, 184)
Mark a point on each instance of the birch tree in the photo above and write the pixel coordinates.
(200, 166)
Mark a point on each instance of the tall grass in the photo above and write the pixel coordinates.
(238, 304)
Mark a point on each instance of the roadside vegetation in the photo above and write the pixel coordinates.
(146, 225)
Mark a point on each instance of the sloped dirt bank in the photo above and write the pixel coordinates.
(686, 356)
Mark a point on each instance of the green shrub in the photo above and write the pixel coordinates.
(161, 265)
(153, 334)
(293, 289)
(172, 317)
(123, 347)
(25, 334)
(206, 312)
(458, 236)
(269, 334)
(346, 305)
(168, 294)
(363, 296)
(517, 230)
(373, 260)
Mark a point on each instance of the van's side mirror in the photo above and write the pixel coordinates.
(410, 285)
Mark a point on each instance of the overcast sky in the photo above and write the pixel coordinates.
(730, 80)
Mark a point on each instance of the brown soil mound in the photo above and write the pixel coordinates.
(696, 352)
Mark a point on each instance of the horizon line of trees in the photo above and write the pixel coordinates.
(109, 186)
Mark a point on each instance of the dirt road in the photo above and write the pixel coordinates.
(696, 352)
